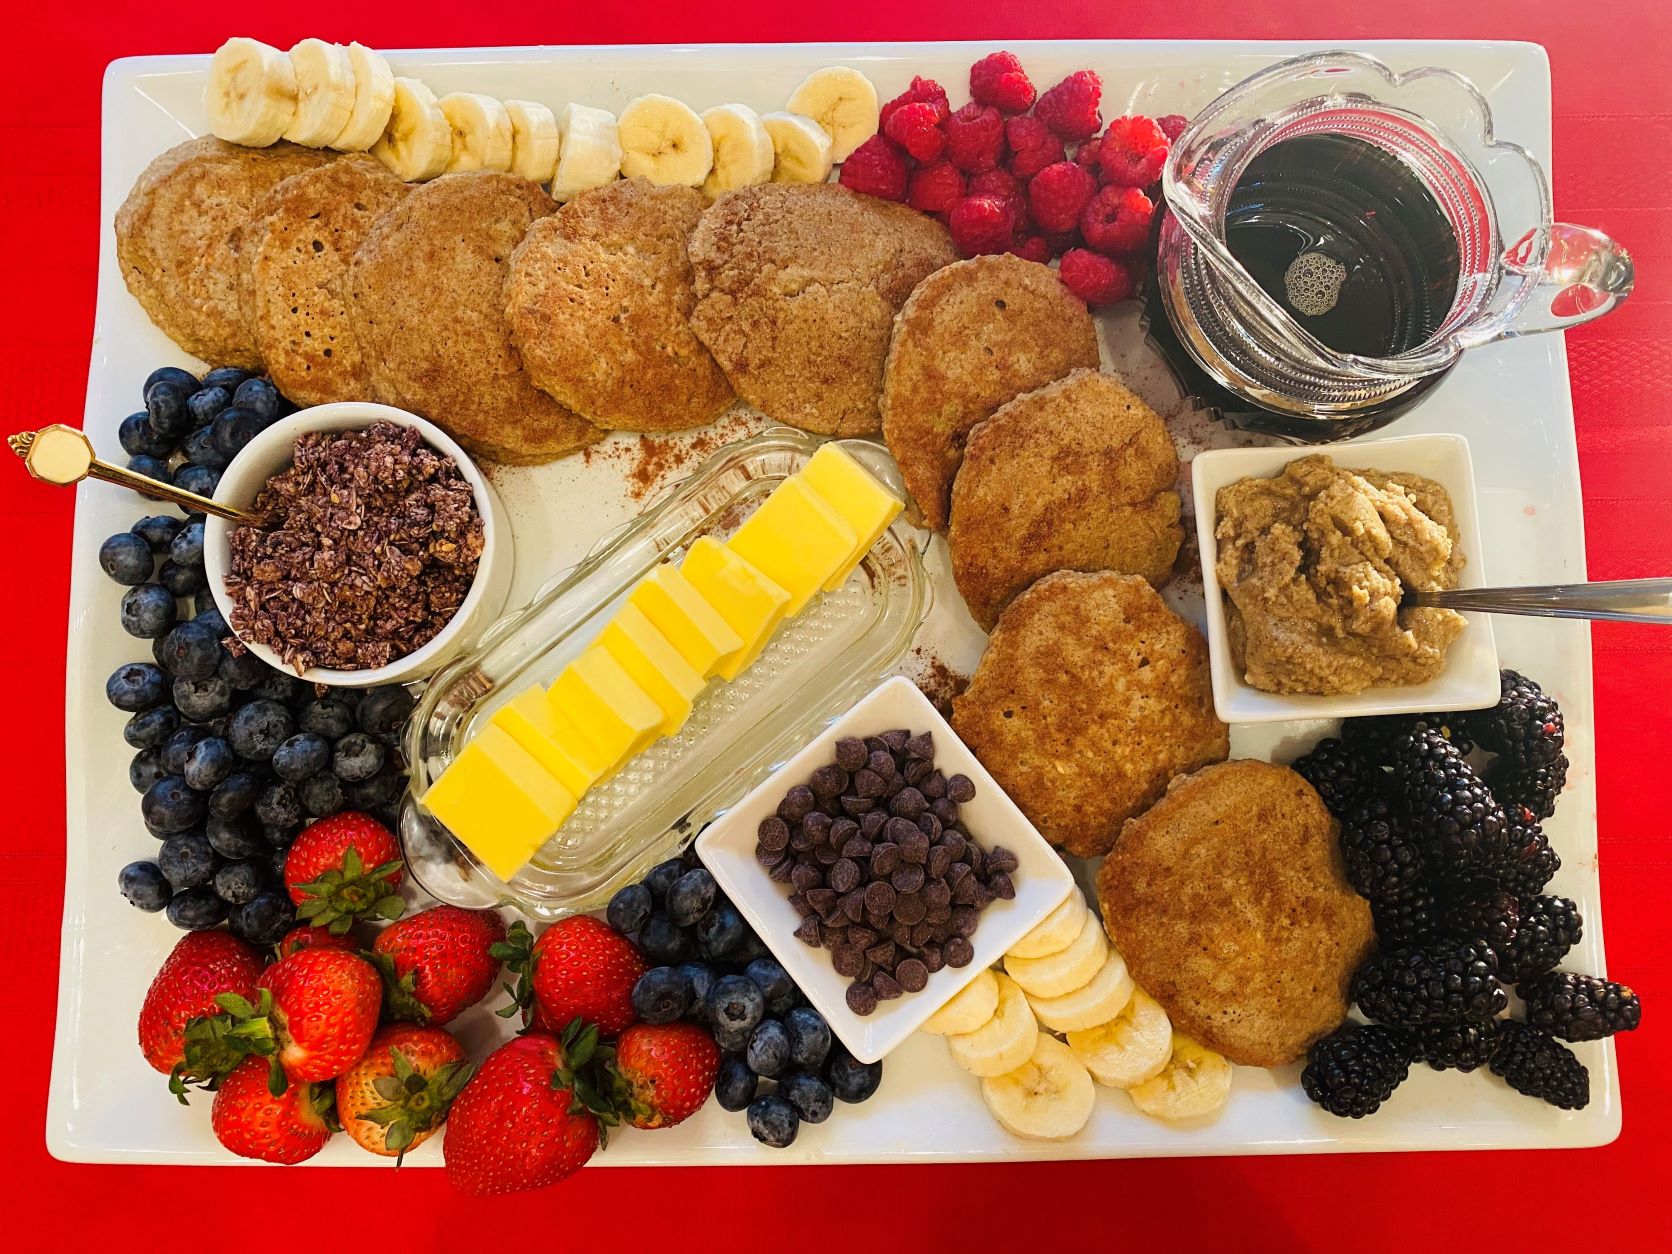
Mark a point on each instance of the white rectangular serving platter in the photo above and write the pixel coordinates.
(1511, 400)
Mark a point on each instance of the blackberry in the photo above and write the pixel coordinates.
(1457, 1046)
(1378, 734)
(1550, 926)
(1442, 982)
(1447, 805)
(1533, 1062)
(1354, 1069)
(1383, 860)
(1533, 784)
(1411, 918)
(1525, 725)
(1484, 913)
(1580, 1007)
(1528, 862)
(1339, 772)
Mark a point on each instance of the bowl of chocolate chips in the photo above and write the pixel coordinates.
(381, 552)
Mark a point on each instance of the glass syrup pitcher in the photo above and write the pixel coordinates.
(1337, 235)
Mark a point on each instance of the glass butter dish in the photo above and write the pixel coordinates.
(817, 665)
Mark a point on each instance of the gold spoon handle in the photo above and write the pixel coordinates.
(122, 477)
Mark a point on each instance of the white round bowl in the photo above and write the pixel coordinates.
(271, 452)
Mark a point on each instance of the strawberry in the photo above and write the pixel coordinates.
(252, 1122)
(437, 963)
(398, 1093)
(344, 868)
(324, 1011)
(309, 937)
(663, 1073)
(518, 1125)
(579, 968)
(200, 968)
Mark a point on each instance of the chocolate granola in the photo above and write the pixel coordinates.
(370, 544)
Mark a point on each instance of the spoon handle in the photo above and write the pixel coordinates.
(1616, 601)
(122, 477)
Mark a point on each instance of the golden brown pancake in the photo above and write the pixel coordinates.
(973, 336)
(427, 303)
(175, 239)
(797, 287)
(1076, 475)
(597, 301)
(1230, 905)
(1092, 694)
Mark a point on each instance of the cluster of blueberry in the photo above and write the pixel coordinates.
(779, 1060)
(205, 421)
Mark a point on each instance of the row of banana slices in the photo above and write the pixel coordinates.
(1063, 977)
(331, 96)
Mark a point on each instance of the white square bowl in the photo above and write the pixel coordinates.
(1042, 880)
(1470, 678)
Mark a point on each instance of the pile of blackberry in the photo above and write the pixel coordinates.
(1454, 864)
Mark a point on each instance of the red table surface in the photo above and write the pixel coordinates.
(1613, 137)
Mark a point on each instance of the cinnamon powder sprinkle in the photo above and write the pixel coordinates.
(371, 545)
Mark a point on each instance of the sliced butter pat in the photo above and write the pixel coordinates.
(795, 540)
(854, 493)
(532, 723)
(654, 664)
(751, 604)
(690, 623)
(612, 710)
(499, 801)
(593, 758)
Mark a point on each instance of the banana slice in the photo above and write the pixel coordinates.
(1048, 1098)
(482, 134)
(743, 151)
(663, 140)
(250, 97)
(324, 92)
(1004, 1042)
(1055, 933)
(534, 140)
(1063, 972)
(801, 148)
(589, 151)
(970, 1007)
(418, 142)
(374, 100)
(1130, 1048)
(1098, 1002)
(1195, 1082)
(842, 101)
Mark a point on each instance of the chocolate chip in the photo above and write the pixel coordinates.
(906, 879)
(930, 826)
(850, 753)
(817, 825)
(908, 803)
(1002, 887)
(953, 840)
(853, 905)
(921, 746)
(769, 857)
(959, 952)
(960, 788)
(933, 958)
(843, 830)
(823, 900)
(884, 858)
(934, 787)
(974, 856)
(936, 895)
(944, 809)
(909, 909)
(807, 932)
(831, 806)
(827, 855)
(796, 804)
(856, 847)
(876, 921)
(896, 740)
(856, 806)
(798, 902)
(831, 937)
(881, 764)
(828, 780)
(874, 744)
(915, 851)
(861, 937)
(936, 913)
(773, 832)
(916, 771)
(983, 896)
(886, 986)
(922, 934)
(879, 897)
(845, 875)
(964, 920)
(847, 961)
(801, 840)
(870, 824)
(781, 873)
(912, 974)
(862, 998)
(940, 858)
(1001, 859)
(867, 783)
(882, 954)
(899, 930)
(805, 877)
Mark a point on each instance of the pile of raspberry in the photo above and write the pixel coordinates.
(1000, 174)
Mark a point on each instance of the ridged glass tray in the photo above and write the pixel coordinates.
(817, 665)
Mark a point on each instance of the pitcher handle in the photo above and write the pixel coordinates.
(1574, 273)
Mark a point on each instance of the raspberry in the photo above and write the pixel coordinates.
(1061, 241)
(1133, 152)
(916, 128)
(877, 168)
(1058, 193)
(1172, 126)
(975, 137)
(934, 187)
(981, 224)
(996, 182)
(1032, 248)
(1070, 108)
(998, 80)
(1094, 278)
(1086, 154)
(1117, 220)
(1032, 146)
(921, 91)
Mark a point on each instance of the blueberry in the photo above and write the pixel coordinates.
(136, 686)
(264, 918)
(196, 909)
(170, 805)
(208, 762)
(152, 468)
(279, 805)
(662, 995)
(769, 1048)
(328, 717)
(199, 479)
(201, 449)
(662, 877)
(720, 931)
(664, 941)
(850, 1079)
(146, 769)
(139, 440)
(257, 729)
(210, 616)
(750, 948)
(384, 710)
(178, 745)
(228, 377)
(187, 860)
(280, 854)
(357, 757)
(735, 1003)
(185, 380)
(735, 1085)
(158, 531)
(701, 977)
(732, 1040)
(205, 403)
(145, 886)
(149, 728)
(236, 428)
(775, 984)
(810, 1096)
(236, 794)
(148, 611)
(202, 699)
(237, 882)
(235, 837)
(187, 546)
(243, 671)
(629, 909)
(126, 558)
(380, 790)
(690, 897)
(773, 1121)
(180, 580)
(259, 397)
(809, 1038)
(322, 795)
(301, 755)
(165, 406)
(192, 651)
(278, 686)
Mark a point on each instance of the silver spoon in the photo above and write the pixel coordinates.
(1615, 601)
